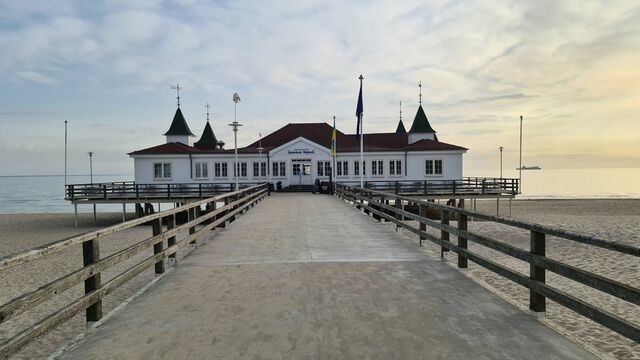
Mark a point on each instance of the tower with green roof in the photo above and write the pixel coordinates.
(179, 130)
(421, 129)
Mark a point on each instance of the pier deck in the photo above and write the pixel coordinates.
(305, 276)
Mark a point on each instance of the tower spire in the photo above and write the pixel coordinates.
(400, 110)
(177, 88)
(207, 106)
(420, 86)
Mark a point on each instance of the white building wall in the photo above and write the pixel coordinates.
(413, 165)
(185, 139)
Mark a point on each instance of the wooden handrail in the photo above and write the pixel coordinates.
(364, 199)
(241, 201)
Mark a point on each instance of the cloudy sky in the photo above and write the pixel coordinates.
(570, 67)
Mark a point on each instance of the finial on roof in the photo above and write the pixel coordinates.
(400, 110)
(177, 88)
(420, 86)
(207, 106)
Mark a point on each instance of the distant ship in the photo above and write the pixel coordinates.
(536, 167)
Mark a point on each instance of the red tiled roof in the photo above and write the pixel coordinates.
(319, 133)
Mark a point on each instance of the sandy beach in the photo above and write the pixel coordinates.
(616, 220)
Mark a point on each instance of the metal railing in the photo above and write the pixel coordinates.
(235, 203)
(119, 191)
(461, 187)
(376, 203)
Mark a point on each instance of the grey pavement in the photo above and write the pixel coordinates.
(304, 276)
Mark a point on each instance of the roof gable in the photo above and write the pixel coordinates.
(421, 123)
(179, 125)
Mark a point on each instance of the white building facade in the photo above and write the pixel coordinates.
(300, 154)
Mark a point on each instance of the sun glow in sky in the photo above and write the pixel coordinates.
(570, 67)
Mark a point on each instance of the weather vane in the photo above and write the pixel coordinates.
(177, 88)
(420, 86)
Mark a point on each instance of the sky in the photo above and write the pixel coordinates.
(569, 67)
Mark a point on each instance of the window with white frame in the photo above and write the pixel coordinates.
(377, 168)
(356, 168)
(324, 168)
(202, 170)
(220, 170)
(395, 167)
(162, 171)
(279, 169)
(241, 169)
(433, 167)
(342, 168)
(259, 169)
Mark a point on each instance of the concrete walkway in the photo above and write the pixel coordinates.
(306, 276)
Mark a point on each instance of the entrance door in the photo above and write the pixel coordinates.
(301, 173)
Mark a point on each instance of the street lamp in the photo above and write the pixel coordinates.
(501, 148)
(91, 165)
(235, 125)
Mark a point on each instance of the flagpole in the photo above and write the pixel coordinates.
(361, 143)
(334, 171)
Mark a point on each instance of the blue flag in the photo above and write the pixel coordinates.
(359, 112)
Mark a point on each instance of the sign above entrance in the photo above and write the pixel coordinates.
(301, 151)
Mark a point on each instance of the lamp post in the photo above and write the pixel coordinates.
(235, 125)
(501, 148)
(520, 166)
(91, 165)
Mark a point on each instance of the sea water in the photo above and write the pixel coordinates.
(45, 194)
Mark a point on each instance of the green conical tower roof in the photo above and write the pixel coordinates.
(179, 125)
(421, 123)
(208, 138)
(400, 129)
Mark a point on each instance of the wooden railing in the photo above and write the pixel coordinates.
(464, 186)
(235, 203)
(377, 204)
(129, 190)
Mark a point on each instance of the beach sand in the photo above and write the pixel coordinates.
(617, 220)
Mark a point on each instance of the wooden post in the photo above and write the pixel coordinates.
(398, 205)
(444, 235)
(423, 213)
(537, 301)
(124, 212)
(192, 230)
(462, 241)
(95, 218)
(90, 255)
(171, 223)
(156, 226)
(75, 211)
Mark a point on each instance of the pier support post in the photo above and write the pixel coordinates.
(156, 227)
(75, 210)
(462, 241)
(444, 235)
(192, 230)
(537, 302)
(124, 212)
(423, 227)
(171, 223)
(398, 205)
(91, 255)
(94, 214)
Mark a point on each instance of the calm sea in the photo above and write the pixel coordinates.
(45, 194)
